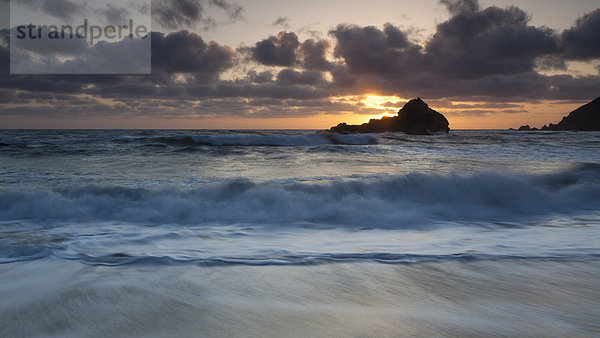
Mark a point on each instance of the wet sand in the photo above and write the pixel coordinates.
(528, 297)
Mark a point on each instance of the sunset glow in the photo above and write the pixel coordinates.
(247, 67)
(279, 168)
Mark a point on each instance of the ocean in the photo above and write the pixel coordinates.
(298, 233)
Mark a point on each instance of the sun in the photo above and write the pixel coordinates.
(389, 105)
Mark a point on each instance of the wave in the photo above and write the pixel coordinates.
(308, 259)
(394, 202)
(276, 139)
(256, 139)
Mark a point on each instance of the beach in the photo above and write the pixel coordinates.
(473, 298)
(299, 233)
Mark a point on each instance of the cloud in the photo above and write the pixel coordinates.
(176, 53)
(582, 41)
(51, 47)
(369, 50)
(62, 9)
(282, 21)
(115, 13)
(262, 77)
(109, 57)
(490, 55)
(76, 56)
(472, 43)
(314, 54)
(277, 50)
(479, 54)
(174, 14)
(179, 14)
(477, 43)
(234, 11)
(461, 6)
(291, 77)
(186, 52)
(285, 50)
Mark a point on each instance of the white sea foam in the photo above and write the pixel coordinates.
(394, 202)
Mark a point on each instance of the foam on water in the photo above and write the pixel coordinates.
(479, 216)
(393, 202)
(296, 197)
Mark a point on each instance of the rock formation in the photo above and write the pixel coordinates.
(526, 128)
(415, 118)
(584, 118)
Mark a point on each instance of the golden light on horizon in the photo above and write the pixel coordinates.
(382, 102)
(389, 104)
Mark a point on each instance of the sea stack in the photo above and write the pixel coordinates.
(415, 118)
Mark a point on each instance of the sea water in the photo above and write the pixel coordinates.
(295, 233)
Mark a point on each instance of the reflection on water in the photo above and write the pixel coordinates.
(506, 297)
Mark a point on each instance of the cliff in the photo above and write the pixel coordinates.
(584, 118)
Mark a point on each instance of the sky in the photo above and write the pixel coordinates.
(282, 64)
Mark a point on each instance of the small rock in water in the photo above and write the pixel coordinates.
(415, 118)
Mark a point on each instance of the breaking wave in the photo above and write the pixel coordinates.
(393, 202)
(255, 139)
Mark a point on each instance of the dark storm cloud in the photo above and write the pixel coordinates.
(460, 6)
(62, 9)
(369, 50)
(342, 78)
(517, 87)
(181, 52)
(488, 105)
(7, 95)
(277, 50)
(495, 40)
(476, 54)
(234, 11)
(174, 14)
(582, 41)
(292, 77)
(472, 43)
(262, 77)
(314, 54)
(178, 14)
(115, 14)
(267, 90)
(285, 50)
(185, 52)
(4, 60)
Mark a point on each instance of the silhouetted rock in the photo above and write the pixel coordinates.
(415, 118)
(584, 118)
(3, 144)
